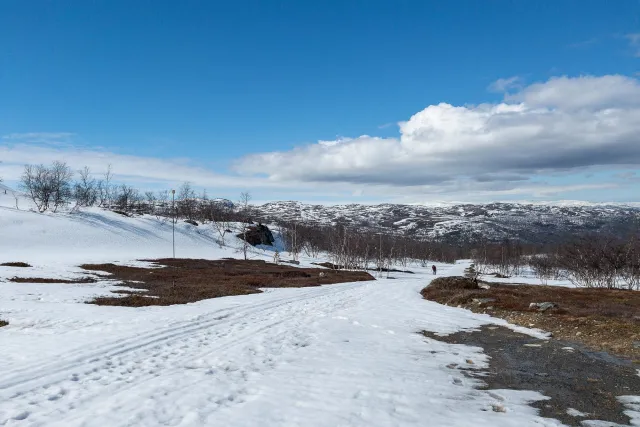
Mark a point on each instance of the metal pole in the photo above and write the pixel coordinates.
(173, 206)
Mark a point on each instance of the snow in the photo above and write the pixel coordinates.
(632, 403)
(339, 355)
(527, 277)
(575, 413)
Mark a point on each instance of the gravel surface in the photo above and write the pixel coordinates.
(578, 381)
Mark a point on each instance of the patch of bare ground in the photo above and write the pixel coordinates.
(3, 323)
(575, 380)
(183, 281)
(49, 280)
(15, 264)
(601, 319)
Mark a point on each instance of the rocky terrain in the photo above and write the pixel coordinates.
(533, 223)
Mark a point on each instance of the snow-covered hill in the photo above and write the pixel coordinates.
(536, 223)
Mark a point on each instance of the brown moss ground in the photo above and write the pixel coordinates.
(48, 280)
(182, 281)
(3, 323)
(15, 264)
(607, 320)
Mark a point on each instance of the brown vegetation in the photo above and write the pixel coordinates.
(15, 264)
(3, 323)
(183, 281)
(49, 280)
(600, 318)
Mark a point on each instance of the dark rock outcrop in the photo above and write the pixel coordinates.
(258, 235)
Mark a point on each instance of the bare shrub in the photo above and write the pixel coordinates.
(544, 266)
(85, 190)
(600, 261)
(48, 187)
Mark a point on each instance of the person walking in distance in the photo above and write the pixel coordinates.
(434, 269)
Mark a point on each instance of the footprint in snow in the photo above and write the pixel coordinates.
(21, 416)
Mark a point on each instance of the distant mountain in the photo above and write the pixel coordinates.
(224, 203)
(528, 222)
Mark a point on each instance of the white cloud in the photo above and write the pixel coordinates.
(48, 138)
(634, 41)
(505, 85)
(564, 124)
(586, 92)
(132, 169)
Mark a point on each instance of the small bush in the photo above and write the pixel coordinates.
(3, 323)
(15, 264)
(455, 282)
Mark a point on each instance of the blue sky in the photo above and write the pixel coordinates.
(219, 90)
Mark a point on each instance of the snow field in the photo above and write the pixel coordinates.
(338, 355)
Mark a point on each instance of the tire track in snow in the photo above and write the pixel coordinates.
(116, 347)
(85, 373)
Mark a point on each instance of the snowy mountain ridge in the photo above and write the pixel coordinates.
(531, 222)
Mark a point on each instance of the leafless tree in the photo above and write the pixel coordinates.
(544, 267)
(630, 274)
(35, 182)
(48, 187)
(220, 216)
(61, 176)
(151, 200)
(104, 189)
(126, 198)
(187, 202)
(162, 205)
(245, 198)
(85, 189)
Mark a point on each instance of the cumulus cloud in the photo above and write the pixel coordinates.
(560, 125)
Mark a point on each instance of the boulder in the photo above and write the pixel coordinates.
(543, 306)
(258, 235)
(482, 301)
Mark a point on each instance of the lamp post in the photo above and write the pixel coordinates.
(173, 222)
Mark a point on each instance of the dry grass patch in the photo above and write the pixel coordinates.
(602, 319)
(15, 264)
(3, 323)
(49, 280)
(183, 281)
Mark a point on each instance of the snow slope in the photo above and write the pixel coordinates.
(339, 355)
